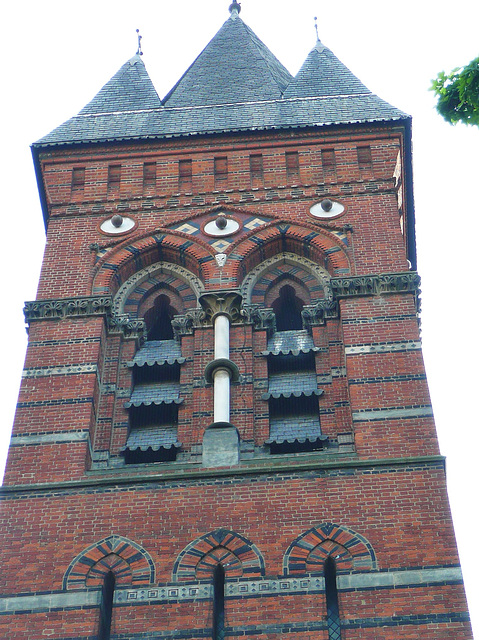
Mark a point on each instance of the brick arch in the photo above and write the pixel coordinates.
(119, 264)
(130, 563)
(261, 283)
(237, 554)
(320, 246)
(138, 293)
(219, 555)
(308, 552)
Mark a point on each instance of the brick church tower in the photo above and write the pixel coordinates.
(224, 426)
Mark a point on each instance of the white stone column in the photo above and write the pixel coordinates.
(222, 337)
(221, 410)
(221, 439)
(221, 376)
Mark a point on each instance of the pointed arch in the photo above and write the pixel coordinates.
(137, 294)
(260, 284)
(236, 553)
(327, 248)
(117, 265)
(310, 550)
(128, 561)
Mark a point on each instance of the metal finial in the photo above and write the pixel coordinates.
(139, 52)
(316, 27)
(235, 7)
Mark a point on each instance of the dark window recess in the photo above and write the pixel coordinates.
(185, 174)
(365, 160)
(149, 174)
(221, 170)
(106, 606)
(287, 309)
(292, 165)
(219, 603)
(328, 159)
(114, 176)
(78, 178)
(256, 170)
(158, 319)
(332, 600)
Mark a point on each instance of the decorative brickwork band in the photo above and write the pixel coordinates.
(309, 551)
(227, 303)
(67, 307)
(130, 563)
(407, 282)
(237, 554)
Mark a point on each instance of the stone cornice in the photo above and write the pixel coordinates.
(370, 285)
(67, 308)
(87, 306)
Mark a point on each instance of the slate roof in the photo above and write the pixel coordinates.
(297, 428)
(290, 342)
(235, 84)
(158, 352)
(154, 438)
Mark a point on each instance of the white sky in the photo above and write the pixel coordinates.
(57, 55)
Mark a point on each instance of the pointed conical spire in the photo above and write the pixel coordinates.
(234, 67)
(323, 74)
(130, 89)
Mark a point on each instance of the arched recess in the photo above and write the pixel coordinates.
(262, 284)
(308, 553)
(136, 296)
(239, 557)
(118, 265)
(128, 561)
(321, 247)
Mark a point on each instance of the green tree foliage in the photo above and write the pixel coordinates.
(458, 94)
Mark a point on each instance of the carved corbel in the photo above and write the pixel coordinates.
(185, 324)
(260, 317)
(135, 329)
(317, 314)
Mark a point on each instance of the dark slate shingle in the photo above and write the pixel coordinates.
(158, 352)
(154, 438)
(155, 393)
(290, 342)
(299, 428)
(301, 383)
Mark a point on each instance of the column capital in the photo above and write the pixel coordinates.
(226, 303)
